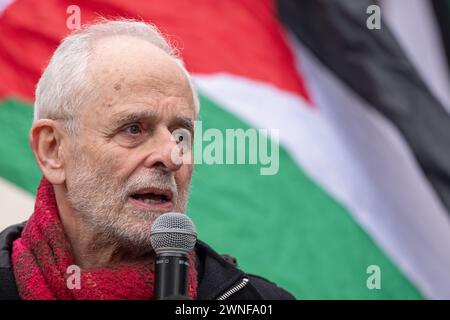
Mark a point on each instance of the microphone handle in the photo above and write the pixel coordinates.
(171, 275)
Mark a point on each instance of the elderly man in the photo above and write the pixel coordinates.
(111, 108)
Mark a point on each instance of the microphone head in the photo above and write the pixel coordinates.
(173, 232)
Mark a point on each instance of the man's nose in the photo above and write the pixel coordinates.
(162, 150)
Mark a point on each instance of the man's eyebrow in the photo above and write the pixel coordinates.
(184, 122)
(123, 119)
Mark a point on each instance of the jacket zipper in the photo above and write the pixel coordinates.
(234, 289)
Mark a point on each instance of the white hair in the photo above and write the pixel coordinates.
(64, 85)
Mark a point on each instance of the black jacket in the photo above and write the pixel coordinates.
(218, 277)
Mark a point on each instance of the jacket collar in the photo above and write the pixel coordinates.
(215, 274)
(8, 288)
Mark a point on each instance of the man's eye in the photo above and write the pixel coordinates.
(133, 129)
(181, 135)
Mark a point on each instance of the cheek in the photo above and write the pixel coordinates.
(183, 176)
(113, 162)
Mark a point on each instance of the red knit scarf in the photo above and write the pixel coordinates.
(42, 255)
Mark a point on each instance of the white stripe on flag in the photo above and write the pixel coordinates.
(4, 4)
(16, 205)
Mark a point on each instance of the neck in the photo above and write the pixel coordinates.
(89, 248)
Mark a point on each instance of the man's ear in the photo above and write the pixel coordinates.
(45, 140)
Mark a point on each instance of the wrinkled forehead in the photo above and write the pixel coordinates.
(125, 69)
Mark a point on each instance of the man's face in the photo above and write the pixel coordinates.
(121, 174)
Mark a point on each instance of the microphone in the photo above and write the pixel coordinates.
(172, 236)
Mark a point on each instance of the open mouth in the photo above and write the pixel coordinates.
(153, 198)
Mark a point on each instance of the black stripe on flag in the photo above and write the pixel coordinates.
(377, 70)
(442, 12)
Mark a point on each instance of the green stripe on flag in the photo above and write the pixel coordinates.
(283, 227)
(17, 163)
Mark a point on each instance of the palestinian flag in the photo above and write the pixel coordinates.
(364, 133)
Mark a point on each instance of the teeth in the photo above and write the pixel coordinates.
(151, 201)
